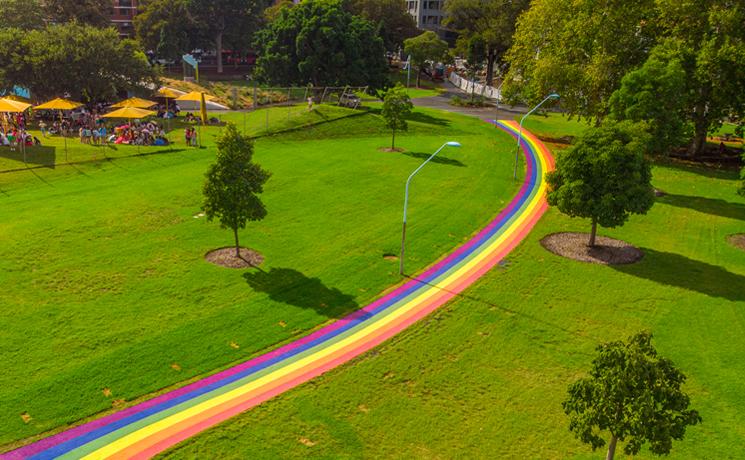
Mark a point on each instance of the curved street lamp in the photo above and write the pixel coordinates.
(406, 201)
(520, 134)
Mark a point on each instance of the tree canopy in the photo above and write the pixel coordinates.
(167, 27)
(633, 394)
(83, 61)
(396, 107)
(231, 22)
(393, 21)
(423, 48)
(490, 21)
(584, 48)
(322, 43)
(233, 184)
(603, 176)
(655, 94)
(91, 12)
(580, 49)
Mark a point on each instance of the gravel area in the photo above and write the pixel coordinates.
(607, 251)
(225, 257)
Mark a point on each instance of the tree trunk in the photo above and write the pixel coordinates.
(701, 129)
(418, 76)
(593, 233)
(237, 245)
(491, 57)
(611, 448)
(218, 45)
(393, 140)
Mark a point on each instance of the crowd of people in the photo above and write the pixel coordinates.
(90, 127)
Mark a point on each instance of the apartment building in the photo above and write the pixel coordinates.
(122, 12)
(428, 14)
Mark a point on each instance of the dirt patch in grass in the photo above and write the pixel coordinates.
(737, 240)
(389, 256)
(390, 150)
(607, 251)
(225, 257)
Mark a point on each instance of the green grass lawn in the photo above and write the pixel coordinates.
(106, 296)
(256, 123)
(484, 377)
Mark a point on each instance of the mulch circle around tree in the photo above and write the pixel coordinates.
(390, 150)
(225, 257)
(607, 251)
(737, 240)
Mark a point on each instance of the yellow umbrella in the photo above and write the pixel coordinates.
(10, 105)
(196, 96)
(129, 113)
(15, 97)
(59, 104)
(202, 98)
(168, 93)
(135, 102)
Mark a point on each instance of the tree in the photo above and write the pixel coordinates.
(90, 12)
(656, 94)
(710, 40)
(320, 42)
(233, 184)
(603, 176)
(633, 394)
(493, 21)
(396, 107)
(423, 48)
(167, 27)
(476, 51)
(21, 14)
(83, 61)
(580, 49)
(393, 21)
(231, 22)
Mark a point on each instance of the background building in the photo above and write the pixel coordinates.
(428, 14)
(122, 12)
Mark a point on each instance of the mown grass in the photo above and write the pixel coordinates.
(484, 377)
(255, 123)
(106, 296)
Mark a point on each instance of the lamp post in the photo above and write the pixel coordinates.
(520, 134)
(406, 201)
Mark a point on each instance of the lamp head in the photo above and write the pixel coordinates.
(554, 96)
(453, 144)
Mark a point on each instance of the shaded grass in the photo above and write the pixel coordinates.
(106, 296)
(484, 377)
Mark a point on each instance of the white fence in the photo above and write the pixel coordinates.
(469, 87)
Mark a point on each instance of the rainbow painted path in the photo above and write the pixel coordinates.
(143, 430)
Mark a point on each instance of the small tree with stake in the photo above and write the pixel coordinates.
(396, 107)
(633, 394)
(604, 176)
(233, 184)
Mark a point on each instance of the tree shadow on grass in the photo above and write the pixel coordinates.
(694, 275)
(291, 287)
(418, 117)
(437, 159)
(711, 206)
(38, 155)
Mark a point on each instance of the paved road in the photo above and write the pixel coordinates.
(442, 102)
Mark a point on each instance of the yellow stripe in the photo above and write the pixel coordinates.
(149, 430)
